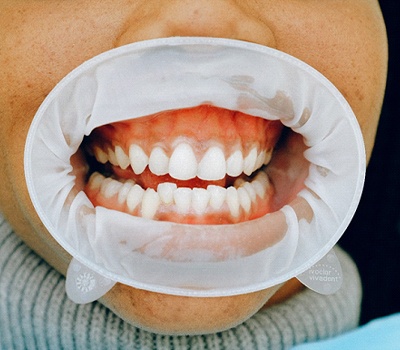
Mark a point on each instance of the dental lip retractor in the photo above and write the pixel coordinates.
(156, 75)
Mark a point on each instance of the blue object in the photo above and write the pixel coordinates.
(380, 334)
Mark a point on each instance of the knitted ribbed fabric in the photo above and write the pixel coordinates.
(36, 314)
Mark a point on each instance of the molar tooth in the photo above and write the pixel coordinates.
(217, 196)
(100, 155)
(122, 159)
(134, 197)
(232, 199)
(234, 164)
(95, 181)
(200, 199)
(110, 187)
(150, 203)
(183, 163)
(183, 199)
(212, 166)
(244, 199)
(158, 161)
(250, 161)
(112, 157)
(166, 192)
(138, 159)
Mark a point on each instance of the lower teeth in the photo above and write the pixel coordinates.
(238, 199)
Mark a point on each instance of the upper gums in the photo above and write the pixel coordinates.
(204, 142)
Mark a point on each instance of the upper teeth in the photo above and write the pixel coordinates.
(183, 164)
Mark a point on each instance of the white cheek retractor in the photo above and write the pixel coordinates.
(197, 260)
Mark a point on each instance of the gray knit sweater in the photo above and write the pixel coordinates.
(36, 314)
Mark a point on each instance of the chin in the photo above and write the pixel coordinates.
(176, 315)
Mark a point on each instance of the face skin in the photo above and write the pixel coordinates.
(41, 42)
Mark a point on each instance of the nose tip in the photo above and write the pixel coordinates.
(208, 18)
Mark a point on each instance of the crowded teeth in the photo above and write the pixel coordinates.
(158, 161)
(183, 163)
(138, 159)
(215, 157)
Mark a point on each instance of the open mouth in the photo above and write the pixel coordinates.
(195, 166)
(200, 165)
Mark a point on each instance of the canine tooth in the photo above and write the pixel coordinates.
(183, 163)
(244, 199)
(96, 179)
(110, 187)
(250, 161)
(135, 196)
(268, 156)
(183, 199)
(166, 192)
(212, 166)
(251, 191)
(200, 199)
(138, 158)
(158, 161)
(123, 192)
(234, 164)
(232, 199)
(100, 155)
(217, 196)
(260, 159)
(150, 203)
(122, 159)
(112, 157)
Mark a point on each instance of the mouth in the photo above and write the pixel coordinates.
(256, 149)
(200, 165)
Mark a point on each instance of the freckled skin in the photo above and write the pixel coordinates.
(41, 42)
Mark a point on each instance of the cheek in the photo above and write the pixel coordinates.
(347, 43)
(15, 203)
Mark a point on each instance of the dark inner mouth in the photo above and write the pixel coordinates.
(202, 165)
